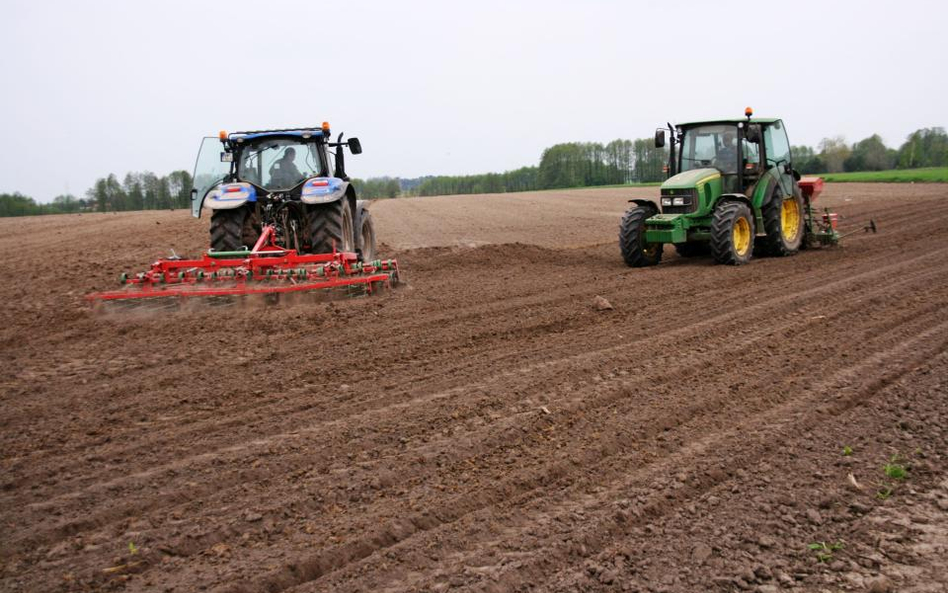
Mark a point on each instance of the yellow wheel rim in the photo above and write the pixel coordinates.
(790, 218)
(741, 235)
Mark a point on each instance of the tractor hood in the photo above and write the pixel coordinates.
(691, 179)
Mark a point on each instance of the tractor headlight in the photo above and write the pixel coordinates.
(678, 201)
(667, 201)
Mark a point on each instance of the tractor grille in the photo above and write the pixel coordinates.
(678, 201)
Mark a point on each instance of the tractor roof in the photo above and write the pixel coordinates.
(735, 120)
(314, 132)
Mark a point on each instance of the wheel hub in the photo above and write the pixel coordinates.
(741, 236)
(790, 218)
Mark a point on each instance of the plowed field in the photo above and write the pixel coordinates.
(776, 426)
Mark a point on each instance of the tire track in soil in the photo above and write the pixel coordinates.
(237, 420)
(304, 568)
(577, 360)
(750, 442)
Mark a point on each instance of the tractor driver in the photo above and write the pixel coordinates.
(284, 173)
(726, 157)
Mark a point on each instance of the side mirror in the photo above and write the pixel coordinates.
(753, 133)
(659, 138)
(355, 147)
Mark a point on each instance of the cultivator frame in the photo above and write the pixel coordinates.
(267, 269)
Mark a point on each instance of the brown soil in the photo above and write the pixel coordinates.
(485, 427)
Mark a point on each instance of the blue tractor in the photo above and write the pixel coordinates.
(293, 180)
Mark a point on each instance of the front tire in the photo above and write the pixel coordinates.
(635, 251)
(783, 224)
(234, 229)
(330, 226)
(732, 234)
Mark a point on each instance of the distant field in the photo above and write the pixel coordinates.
(644, 184)
(927, 175)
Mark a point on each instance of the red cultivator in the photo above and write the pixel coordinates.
(267, 269)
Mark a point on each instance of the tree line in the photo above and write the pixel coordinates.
(571, 164)
(585, 164)
(137, 191)
(927, 147)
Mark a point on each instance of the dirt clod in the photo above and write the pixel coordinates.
(700, 553)
(601, 304)
(880, 585)
(814, 516)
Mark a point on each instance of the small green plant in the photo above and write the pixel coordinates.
(895, 470)
(884, 493)
(824, 551)
(847, 451)
(132, 548)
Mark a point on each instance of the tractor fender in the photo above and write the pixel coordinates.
(323, 190)
(229, 196)
(652, 203)
(763, 191)
(758, 217)
(734, 198)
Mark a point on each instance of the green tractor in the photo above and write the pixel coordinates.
(731, 192)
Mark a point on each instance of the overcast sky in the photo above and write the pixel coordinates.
(92, 87)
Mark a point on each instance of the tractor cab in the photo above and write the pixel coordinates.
(741, 151)
(295, 163)
(723, 147)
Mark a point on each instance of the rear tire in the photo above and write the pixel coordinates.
(695, 249)
(783, 223)
(635, 251)
(369, 249)
(232, 230)
(732, 234)
(330, 225)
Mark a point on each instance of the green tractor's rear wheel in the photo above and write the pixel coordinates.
(784, 224)
(636, 252)
(693, 249)
(234, 229)
(732, 233)
(330, 225)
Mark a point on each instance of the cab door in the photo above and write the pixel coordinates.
(777, 149)
(210, 168)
